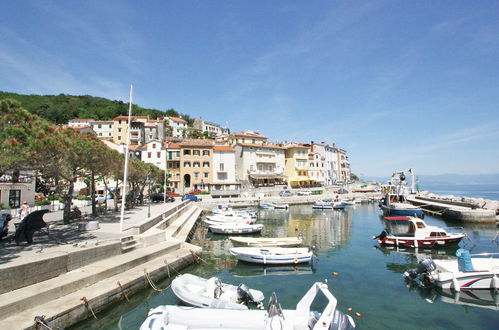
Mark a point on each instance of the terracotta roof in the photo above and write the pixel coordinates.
(101, 121)
(267, 146)
(296, 146)
(223, 148)
(171, 145)
(196, 142)
(133, 117)
(178, 119)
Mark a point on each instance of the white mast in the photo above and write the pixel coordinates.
(125, 174)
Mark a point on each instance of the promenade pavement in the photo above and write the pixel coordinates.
(67, 238)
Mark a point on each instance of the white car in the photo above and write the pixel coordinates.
(304, 193)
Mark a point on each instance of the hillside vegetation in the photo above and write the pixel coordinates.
(61, 108)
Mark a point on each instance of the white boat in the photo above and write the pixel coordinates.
(322, 205)
(271, 206)
(221, 221)
(236, 228)
(272, 255)
(212, 293)
(463, 273)
(267, 241)
(231, 217)
(174, 317)
(281, 206)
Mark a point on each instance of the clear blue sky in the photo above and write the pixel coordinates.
(398, 84)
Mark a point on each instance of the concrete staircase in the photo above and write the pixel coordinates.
(157, 251)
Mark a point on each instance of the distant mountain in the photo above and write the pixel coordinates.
(449, 179)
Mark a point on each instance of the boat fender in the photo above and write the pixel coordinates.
(295, 260)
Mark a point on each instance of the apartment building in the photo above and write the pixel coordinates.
(178, 125)
(80, 122)
(329, 153)
(224, 171)
(173, 164)
(153, 152)
(103, 128)
(249, 137)
(195, 164)
(16, 187)
(213, 129)
(296, 164)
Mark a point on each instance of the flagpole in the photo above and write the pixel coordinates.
(125, 174)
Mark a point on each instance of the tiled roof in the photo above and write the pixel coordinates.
(296, 146)
(267, 146)
(178, 119)
(171, 145)
(196, 142)
(223, 148)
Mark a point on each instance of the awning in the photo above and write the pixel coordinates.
(301, 179)
(266, 176)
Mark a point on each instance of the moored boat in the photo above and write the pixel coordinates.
(236, 228)
(175, 317)
(212, 293)
(267, 241)
(322, 205)
(462, 273)
(419, 234)
(272, 255)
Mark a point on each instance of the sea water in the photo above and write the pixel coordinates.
(360, 274)
(487, 191)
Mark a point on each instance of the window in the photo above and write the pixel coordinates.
(153, 145)
(187, 151)
(14, 198)
(100, 134)
(206, 174)
(196, 152)
(206, 152)
(158, 154)
(119, 129)
(109, 125)
(170, 155)
(187, 164)
(196, 164)
(206, 164)
(221, 166)
(99, 126)
(119, 121)
(170, 165)
(178, 153)
(109, 134)
(196, 175)
(177, 164)
(119, 137)
(253, 141)
(149, 154)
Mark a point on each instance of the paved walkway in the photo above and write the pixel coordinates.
(67, 238)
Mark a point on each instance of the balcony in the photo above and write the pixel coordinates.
(7, 178)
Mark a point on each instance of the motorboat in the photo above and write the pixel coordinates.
(267, 241)
(266, 206)
(236, 228)
(221, 221)
(462, 273)
(418, 233)
(222, 209)
(272, 255)
(281, 205)
(175, 317)
(396, 191)
(322, 205)
(229, 216)
(212, 293)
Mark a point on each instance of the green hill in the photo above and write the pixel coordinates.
(61, 108)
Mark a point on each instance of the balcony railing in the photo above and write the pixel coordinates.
(11, 179)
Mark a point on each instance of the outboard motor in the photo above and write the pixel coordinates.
(383, 234)
(421, 273)
(244, 295)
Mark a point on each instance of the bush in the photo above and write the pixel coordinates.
(54, 197)
(42, 202)
(316, 192)
(83, 198)
(4, 207)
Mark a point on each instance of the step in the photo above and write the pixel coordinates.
(187, 227)
(66, 283)
(177, 225)
(69, 309)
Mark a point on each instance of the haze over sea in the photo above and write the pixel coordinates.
(487, 191)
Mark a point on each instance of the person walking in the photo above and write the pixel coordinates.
(23, 210)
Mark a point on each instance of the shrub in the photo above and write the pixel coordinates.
(42, 202)
(4, 207)
(83, 198)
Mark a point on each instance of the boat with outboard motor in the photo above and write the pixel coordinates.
(212, 293)
(271, 206)
(235, 228)
(272, 255)
(267, 241)
(174, 317)
(463, 273)
(419, 234)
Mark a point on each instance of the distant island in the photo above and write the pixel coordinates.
(449, 179)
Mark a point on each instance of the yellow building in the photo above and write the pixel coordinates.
(120, 125)
(249, 137)
(196, 161)
(173, 164)
(296, 165)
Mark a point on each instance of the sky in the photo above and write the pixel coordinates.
(397, 84)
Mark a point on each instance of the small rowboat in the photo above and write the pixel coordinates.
(272, 255)
(212, 293)
(267, 241)
(236, 228)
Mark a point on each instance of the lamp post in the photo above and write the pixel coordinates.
(149, 194)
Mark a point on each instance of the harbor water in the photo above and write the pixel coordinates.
(360, 274)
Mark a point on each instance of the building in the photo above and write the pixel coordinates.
(224, 172)
(153, 152)
(16, 187)
(296, 165)
(343, 166)
(178, 126)
(173, 163)
(213, 129)
(195, 164)
(249, 137)
(259, 164)
(80, 122)
(154, 129)
(329, 154)
(317, 170)
(137, 132)
(103, 128)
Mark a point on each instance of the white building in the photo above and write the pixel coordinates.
(103, 128)
(154, 153)
(329, 153)
(80, 122)
(213, 129)
(178, 126)
(224, 168)
(317, 169)
(16, 187)
(260, 164)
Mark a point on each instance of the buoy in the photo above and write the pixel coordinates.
(336, 273)
(295, 260)
(357, 314)
(296, 228)
(349, 309)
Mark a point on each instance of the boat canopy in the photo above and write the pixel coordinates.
(397, 218)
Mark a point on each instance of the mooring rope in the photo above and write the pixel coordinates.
(123, 291)
(148, 278)
(88, 306)
(40, 320)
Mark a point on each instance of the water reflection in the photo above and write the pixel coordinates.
(245, 270)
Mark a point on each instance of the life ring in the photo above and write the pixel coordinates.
(295, 260)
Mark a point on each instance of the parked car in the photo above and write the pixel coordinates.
(191, 197)
(304, 193)
(159, 197)
(285, 193)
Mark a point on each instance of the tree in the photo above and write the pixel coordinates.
(354, 177)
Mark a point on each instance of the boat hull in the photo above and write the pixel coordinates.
(416, 242)
(389, 211)
(263, 256)
(228, 230)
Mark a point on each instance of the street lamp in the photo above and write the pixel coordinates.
(149, 193)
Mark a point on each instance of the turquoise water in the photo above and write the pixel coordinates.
(369, 278)
(487, 191)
